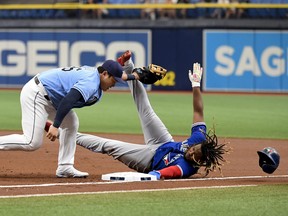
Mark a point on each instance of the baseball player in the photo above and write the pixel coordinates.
(52, 95)
(161, 155)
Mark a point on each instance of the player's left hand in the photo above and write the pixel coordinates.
(150, 74)
(196, 75)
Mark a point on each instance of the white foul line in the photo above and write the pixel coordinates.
(231, 178)
(126, 191)
(121, 182)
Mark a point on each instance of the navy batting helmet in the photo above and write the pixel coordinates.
(269, 159)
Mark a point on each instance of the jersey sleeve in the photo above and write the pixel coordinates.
(198, 131)
(83, 88)
(88, 84)
(171, 172)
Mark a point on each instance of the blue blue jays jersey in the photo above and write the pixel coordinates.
(58, 82)
(172, 153)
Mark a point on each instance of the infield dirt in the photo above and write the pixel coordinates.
(38, 168)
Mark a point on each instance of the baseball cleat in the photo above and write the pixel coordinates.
(124, 57)
(70, 172)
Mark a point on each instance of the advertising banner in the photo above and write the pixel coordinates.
(248, 61)
(25, 53)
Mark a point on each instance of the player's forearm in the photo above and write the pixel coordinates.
(198, 107)
(66, 105)
(170, 172)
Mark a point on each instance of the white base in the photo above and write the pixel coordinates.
(128, 176)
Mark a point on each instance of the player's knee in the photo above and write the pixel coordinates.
(34, 145)
(76, 125)
(71, 126)
(31, 148)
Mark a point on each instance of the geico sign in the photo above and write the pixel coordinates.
(19, 58)
(271, 61)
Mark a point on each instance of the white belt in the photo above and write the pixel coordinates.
(41, 88)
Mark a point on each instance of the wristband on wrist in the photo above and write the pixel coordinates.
(56, 124)
(130, 77)
(195, 84)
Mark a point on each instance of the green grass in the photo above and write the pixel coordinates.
(260, 200)
(259, 116)
(10, 110)
(254, 116)
(246, 116)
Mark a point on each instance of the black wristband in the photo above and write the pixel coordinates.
(130, 77)
(56, 124)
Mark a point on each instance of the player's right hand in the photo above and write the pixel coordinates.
(196, 75)
(155, 173)
(53, 133)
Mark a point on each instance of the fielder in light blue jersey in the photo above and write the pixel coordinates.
(52, 95)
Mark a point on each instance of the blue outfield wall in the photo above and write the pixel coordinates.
(176, 49)
(234, 60)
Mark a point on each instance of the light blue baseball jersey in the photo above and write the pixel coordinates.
(59, 81)
(172, 153)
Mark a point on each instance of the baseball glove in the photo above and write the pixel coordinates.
(150, 74)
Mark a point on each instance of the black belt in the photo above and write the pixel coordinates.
(37, 81)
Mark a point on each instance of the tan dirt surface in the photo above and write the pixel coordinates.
(38, 168)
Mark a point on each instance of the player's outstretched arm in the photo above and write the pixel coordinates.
(195, 78)
(167, 173)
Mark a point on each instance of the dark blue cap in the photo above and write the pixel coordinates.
(114, 68)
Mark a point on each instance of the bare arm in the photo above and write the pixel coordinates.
(198, 114)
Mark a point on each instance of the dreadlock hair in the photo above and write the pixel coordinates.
(212, 153)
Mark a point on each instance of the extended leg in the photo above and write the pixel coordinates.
(135, 156)
(67, 148)
(153, 128)
(34, 116)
